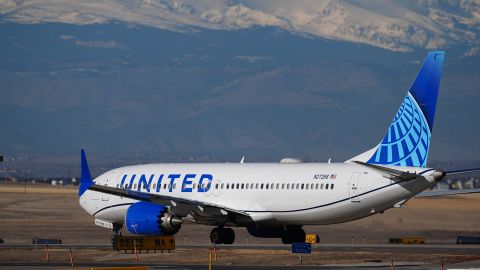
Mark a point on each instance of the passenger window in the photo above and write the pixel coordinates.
(216, 186)
(135, 186)
(278, 186)
(331, 186)
(256, 186)
(221, 186)
(298, 186)
(228, 186)
(246, 186)
(261, 186)
(311, 186)
(238, 186)
(283, 186)
(266, 186)
(165, 186)
(326, 186)
(321, 186)
(154, 185)
(302, 186)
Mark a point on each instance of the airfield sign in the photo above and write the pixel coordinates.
(302, 248)
(143, 243)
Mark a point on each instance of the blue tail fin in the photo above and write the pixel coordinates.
(408, 138)
(85, 179)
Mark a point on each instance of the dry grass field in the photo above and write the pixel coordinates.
(51, 211)
(48, 212)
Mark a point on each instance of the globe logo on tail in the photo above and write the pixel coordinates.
(407, 140)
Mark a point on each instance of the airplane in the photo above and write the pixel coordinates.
(274, 200)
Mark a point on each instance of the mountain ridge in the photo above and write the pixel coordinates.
(398, 26)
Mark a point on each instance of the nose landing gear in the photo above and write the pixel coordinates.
(116, 231)
(221, 235)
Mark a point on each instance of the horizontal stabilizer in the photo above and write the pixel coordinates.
(456, 172)
(389, 172)
(437, 193)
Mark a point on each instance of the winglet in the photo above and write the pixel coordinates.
(85, 179)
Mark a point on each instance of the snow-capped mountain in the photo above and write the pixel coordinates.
(393, 25)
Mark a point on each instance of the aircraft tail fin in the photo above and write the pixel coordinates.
(408, 138)
(86, 180)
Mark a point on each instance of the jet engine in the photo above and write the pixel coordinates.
(147, 218)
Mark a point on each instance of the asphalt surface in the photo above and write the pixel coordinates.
(411, 249)
(364, 266)
(417, 249)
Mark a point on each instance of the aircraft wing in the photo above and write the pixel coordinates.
(181, 207)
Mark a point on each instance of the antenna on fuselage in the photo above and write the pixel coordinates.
(329, 160)
(242, 160)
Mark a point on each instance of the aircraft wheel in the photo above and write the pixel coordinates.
(216, 236)
(299, 236)
(293, 234)
(228, 236)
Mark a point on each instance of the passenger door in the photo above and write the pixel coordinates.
(353, 187)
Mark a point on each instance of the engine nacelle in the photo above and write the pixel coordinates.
(151, 219)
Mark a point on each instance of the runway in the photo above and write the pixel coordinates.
(392, 248)
(364, 266)
(368, 256)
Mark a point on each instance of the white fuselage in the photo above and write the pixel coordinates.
(270, 193)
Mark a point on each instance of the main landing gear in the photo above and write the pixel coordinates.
(221, 235)
(293, 234)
